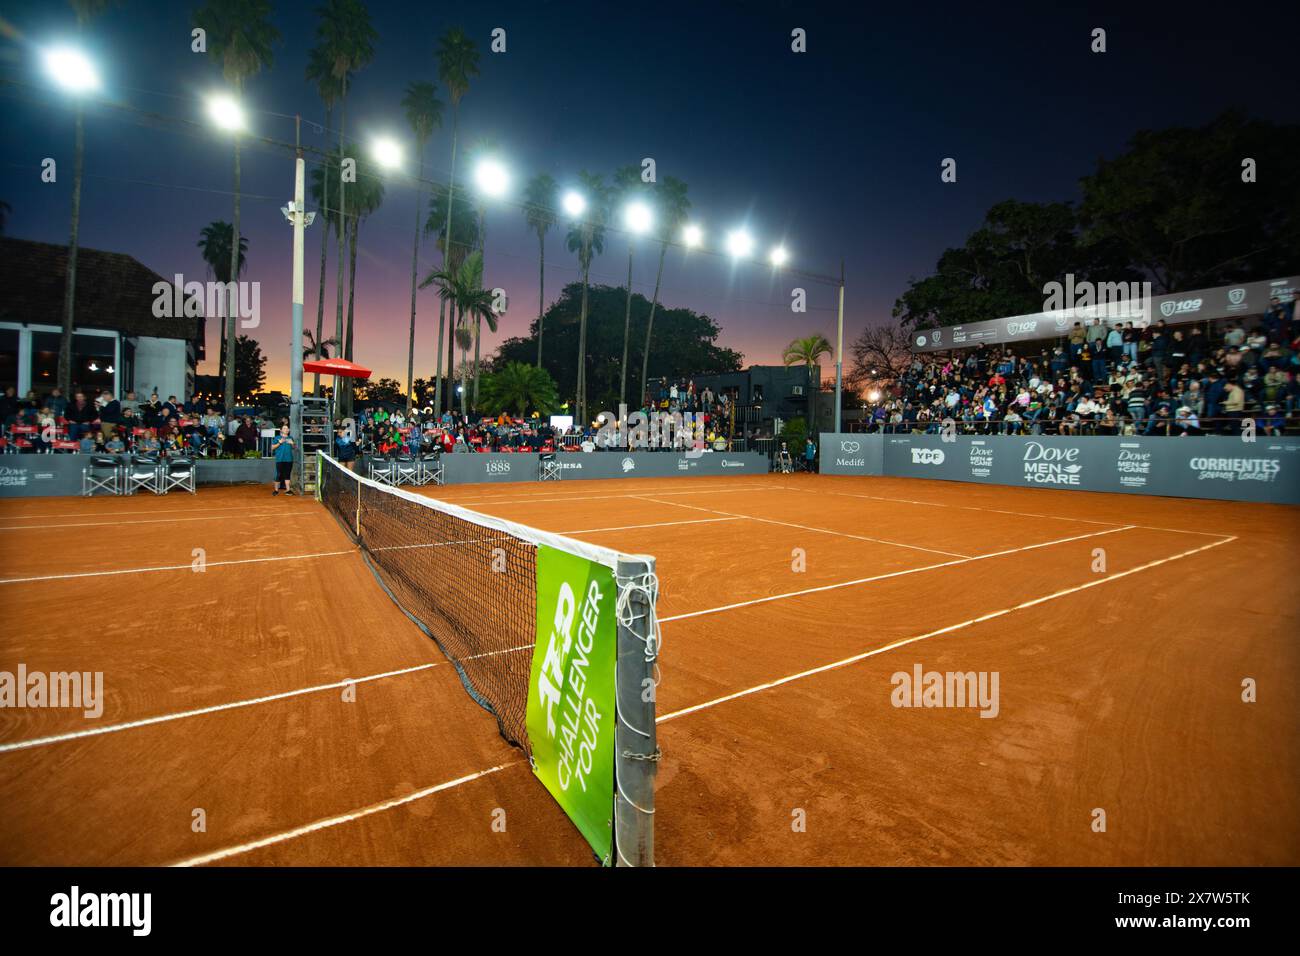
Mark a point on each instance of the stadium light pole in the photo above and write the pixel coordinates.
(638, 217)
(492, 180)
(72, 71)
(839, 353)
(574, 205)
(300, 219)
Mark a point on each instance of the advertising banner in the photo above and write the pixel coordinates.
(571, 691)
(1266, 469)
(1247, 298)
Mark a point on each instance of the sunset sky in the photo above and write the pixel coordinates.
(835, 152)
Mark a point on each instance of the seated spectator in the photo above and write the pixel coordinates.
(80, 415)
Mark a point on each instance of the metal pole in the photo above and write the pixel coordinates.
(636, 751)
(298, 218)
(839, 352)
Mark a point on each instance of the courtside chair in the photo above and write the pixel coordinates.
(178, 473)
(382, 471)
(103, 473)
(406, 470)
(548, 467)
(430, 468)
(144, 471)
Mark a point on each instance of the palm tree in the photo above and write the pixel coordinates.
(315, 347)
(240, 35)
(365, 196)
(519, 387)
(457, 65)
(320, 70)
(214, 243)
(424, 113)
(671, 207)
(471, 303)
(85, 11)
(464, 240)
(808, 350)
(346, 39)
(587, 238)
(539, 213)
(628, 185)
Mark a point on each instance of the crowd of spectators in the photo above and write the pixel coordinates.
(1108, 379)
(385, 432)
(104, 424)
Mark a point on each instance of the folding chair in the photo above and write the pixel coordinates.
(406, 470)
(383, 471)
(430, 468)
(104, 473)
(178, 473)
(548, 468)
(143, 471)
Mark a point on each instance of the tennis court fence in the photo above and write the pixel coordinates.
(556, 637)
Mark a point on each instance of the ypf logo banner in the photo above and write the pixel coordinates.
(927, 456)
(1052, 464)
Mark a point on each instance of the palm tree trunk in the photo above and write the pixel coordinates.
(338, 299)
(446, 256)
(70, 289)
(478, 334)
(231, 326)
(627, 332)
(415, 264)
(478, 319)
(437, 381)
(324, 249)
(464, 371)
(654, 303)
(582, 351)
(541, 291)
(352, 292)
(451, 355)
(814, 387)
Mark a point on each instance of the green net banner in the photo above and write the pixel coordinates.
(571, 691)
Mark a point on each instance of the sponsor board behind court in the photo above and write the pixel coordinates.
(1265, 470)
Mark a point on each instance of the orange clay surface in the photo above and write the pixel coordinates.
(787, 603)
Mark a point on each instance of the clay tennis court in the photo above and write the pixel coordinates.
(225, 689)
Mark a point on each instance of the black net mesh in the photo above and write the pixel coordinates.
(472, 588)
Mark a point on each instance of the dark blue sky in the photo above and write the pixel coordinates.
(836, 152)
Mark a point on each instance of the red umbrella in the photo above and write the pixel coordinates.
(336, 366)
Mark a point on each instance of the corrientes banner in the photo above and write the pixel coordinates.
(571, 691)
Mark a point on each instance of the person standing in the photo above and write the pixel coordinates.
(282, 450)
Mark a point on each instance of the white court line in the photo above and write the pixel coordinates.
(997, 511)
(943, 630)
(236, 704)
(891, 574)
(172, 567)
(629, 494)
(96, 524)
(842, 534)
(677, 617)
(389, 804)
(199, 711)
(334, 821)
(656, 524)
(137, 511)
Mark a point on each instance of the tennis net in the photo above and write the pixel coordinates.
(473, 582)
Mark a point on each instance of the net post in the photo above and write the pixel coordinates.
(636, 749)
